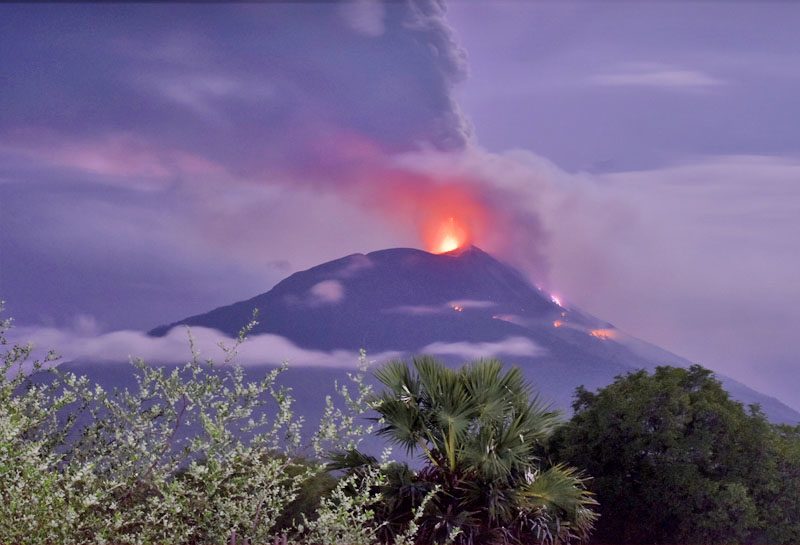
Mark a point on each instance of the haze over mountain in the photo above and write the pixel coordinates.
(459, 306)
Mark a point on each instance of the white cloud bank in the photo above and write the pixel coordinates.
(121, 346)
(264, 349)
(512, 346)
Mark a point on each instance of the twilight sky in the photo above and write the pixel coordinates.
(641, 160)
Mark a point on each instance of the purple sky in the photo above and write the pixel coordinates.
(641, 160)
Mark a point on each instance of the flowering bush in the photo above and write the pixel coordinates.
(198, 454)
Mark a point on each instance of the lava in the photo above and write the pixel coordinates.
(450, 235)
(558, 323)
(603, 334)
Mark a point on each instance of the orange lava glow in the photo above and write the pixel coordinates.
(558, 323)
(604, 334)
(448, 216)
(450, 236)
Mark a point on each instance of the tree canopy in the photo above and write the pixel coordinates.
(675, 460)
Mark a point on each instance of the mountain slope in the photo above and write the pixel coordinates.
(456, 305)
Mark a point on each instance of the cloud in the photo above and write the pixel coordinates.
(206, 131)
(657, 76)
(248, 86)
(206, 93)
(471, 303)
(416, 310)
(708, 269)
(326, 292)
(512, 346)
(451, 306)
(695, 257)
(353, 265)
(119, 158)
(121, 346)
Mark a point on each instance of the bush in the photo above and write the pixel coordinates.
(189, 457)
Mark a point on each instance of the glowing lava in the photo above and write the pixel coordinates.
(448, 244)
(604, 334)
(450, 235)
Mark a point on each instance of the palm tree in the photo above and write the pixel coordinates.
(478, 430)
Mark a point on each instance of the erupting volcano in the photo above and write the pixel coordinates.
(458, 306)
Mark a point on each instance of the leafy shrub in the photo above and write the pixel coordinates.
(188, 457)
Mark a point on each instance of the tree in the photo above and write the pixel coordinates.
(478, 430)
(779, 500)
(675, 460)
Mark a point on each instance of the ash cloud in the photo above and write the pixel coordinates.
(183, 139)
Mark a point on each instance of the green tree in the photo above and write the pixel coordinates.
(779, 500)
(675, 460)
(478, 430)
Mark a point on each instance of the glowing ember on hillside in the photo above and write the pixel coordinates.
(449, 236)
(558, 323)
(604, 334)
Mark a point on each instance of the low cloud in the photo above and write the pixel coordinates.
(471, 303)
(121, 346)
(353, 265)
(451, 306)
(512, 346)
(326, 292)
(416, 310)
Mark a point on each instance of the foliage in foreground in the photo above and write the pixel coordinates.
(196, 455)
(479, 431)
(675, 460)
(203, 454)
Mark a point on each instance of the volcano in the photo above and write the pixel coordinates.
(458, 306)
